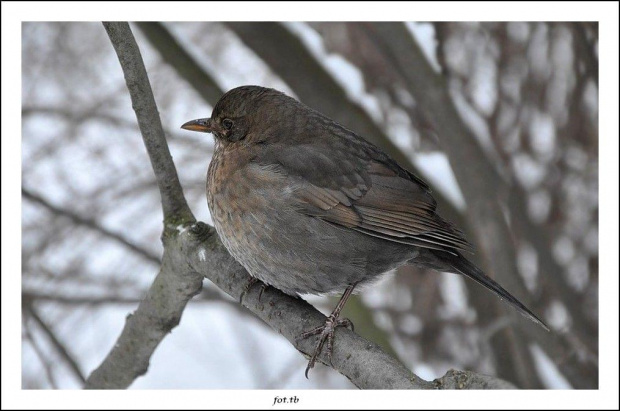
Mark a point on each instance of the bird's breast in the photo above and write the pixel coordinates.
(243, 203)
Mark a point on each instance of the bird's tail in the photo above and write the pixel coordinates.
(463, 266)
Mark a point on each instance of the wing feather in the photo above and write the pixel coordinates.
(362, 189)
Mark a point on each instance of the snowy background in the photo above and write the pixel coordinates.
(91, 215)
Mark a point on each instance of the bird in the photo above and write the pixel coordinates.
(309, 207)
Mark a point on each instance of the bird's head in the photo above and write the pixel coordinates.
(247, 113)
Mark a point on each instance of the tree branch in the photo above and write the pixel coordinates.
(465, 380)
(84, 116)
(430, 90)
(174, 206)
(208, 295)
(175, 285)
(158, 313)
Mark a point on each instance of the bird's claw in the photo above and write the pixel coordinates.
(248, 287)
(326, 332)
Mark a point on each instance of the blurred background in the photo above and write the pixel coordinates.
(527, 94)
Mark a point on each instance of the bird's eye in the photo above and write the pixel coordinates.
(227, 123)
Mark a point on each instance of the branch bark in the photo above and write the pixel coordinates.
(193, 250)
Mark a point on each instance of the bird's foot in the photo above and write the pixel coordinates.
(327, 334)
(248, 287)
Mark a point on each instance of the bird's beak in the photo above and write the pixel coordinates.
(203, 125)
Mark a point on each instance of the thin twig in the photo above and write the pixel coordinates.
(60, 347)
(92, 224)
(47, 367)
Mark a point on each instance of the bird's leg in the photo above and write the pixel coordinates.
(249, 285)
(327, 330)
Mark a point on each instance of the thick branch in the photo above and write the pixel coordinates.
(466, 380)
(430, 90)
(173, 202)
(158, 313)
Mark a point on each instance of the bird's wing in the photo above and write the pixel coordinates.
(365, 191)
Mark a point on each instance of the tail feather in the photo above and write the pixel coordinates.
(468, 269)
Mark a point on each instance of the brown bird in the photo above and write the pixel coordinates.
(309, 207)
